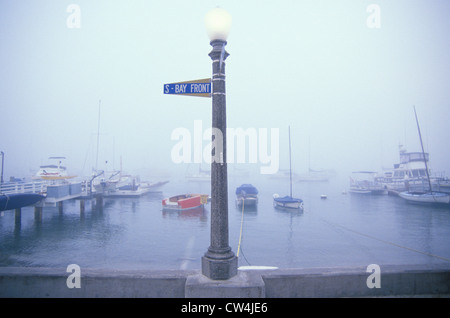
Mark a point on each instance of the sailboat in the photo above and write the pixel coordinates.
(202, 175)
(105, 182)
(313, 175)
(288, 201)
(426, 196)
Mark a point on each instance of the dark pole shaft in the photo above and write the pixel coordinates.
(219, 262)
(219, 178)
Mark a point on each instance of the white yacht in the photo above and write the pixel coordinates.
(408, 175)
(54, 170)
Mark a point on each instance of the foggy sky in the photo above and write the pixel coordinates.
(346, 90)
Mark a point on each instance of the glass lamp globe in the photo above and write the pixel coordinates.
(218, 24)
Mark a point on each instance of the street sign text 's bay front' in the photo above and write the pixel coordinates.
(201, 87)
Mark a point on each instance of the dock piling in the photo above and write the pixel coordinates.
(82, 205)
(38, 214)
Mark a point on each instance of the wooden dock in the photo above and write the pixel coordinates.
(55, 194)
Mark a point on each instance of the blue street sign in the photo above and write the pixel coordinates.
(200, 87)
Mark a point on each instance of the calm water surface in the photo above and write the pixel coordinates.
(343, 230)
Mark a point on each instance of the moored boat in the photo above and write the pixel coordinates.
(410, 174)
(365, 182)
(18, 200)
(288, 201)
(133, 188)
(429, 196)
(201, 176)
(426, 197)
(313, 176)
(184, 202)
(246, 195)
(53, 171)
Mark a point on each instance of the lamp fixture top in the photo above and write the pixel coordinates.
(218, 24)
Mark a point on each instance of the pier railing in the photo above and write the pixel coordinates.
(23, 187)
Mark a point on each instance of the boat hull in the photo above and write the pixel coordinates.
(18, 200)
(246, 195)
(359, 191)
(246, 201)
(367, 191)
(184, 202)
(127, 193)
(288, 203)
(435, 197)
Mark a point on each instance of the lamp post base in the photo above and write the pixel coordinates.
(219, 268)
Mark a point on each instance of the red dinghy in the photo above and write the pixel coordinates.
(184, 202)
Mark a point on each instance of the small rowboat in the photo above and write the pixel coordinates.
(184, 202)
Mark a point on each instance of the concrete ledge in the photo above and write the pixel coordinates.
(243, 285)
(49, 282)
(396, 281)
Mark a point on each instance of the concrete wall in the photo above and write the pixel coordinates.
(403, 281)
(46, 282)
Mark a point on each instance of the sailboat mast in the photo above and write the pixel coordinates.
(290, 164)
(309, 155)
(98, 135)
(423, 151)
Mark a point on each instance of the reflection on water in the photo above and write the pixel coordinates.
(134, 233)
(199, 213)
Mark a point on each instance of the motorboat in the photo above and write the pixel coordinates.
(133, 188)
(108, 182)
(427, 195)
(365, 182)
(54, 170)
(410, 174)
(246, 195)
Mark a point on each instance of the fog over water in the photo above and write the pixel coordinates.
(342, 74)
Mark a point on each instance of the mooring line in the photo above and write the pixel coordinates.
(240, 234)
(386, 242)
(239, 249)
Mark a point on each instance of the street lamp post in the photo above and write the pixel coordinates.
(219, 262)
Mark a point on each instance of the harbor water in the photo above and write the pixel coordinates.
(134, 233)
